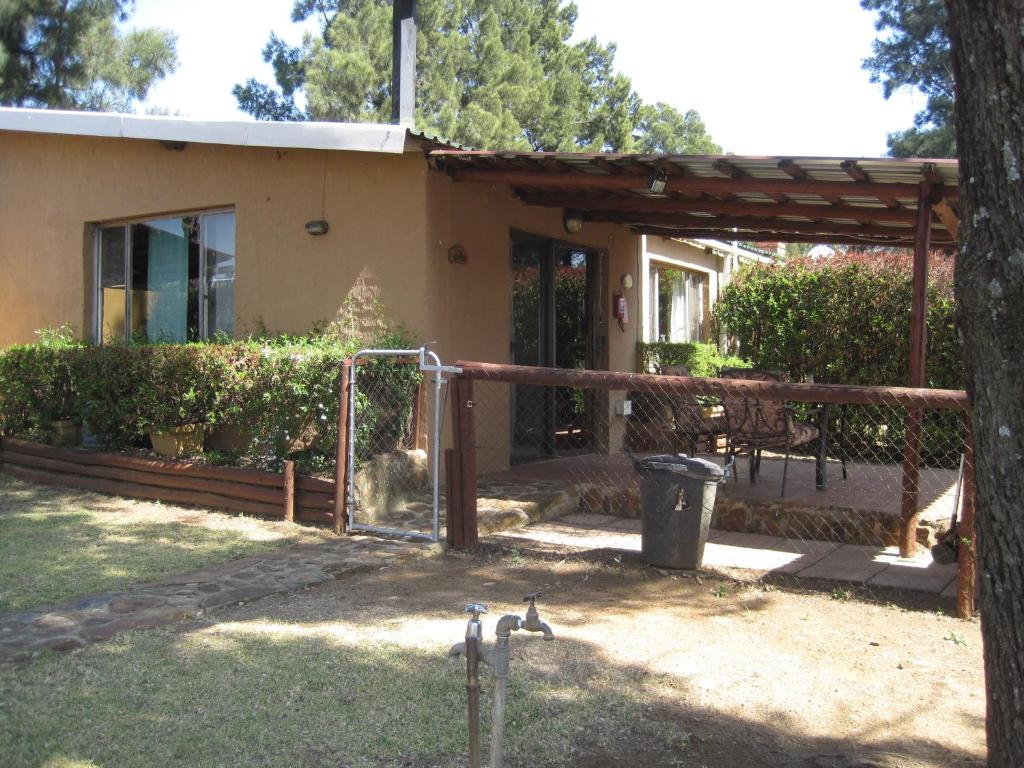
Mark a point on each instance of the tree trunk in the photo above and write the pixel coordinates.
(988, 64)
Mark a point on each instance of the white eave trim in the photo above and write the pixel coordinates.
(723, 249)
(350, 137)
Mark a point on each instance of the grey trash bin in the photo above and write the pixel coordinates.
(678, 496)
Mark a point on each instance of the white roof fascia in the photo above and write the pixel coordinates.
(725, 248)
(351, 137)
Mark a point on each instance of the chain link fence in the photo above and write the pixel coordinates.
(820, 477)
(394, 418)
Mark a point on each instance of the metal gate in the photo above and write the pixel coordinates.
(396, 412)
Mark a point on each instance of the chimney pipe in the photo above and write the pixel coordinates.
(403, 63)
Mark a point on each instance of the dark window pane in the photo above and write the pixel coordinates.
(111, 308)
(165, 280)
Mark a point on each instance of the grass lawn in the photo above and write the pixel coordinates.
(645, 670)
(58, 543)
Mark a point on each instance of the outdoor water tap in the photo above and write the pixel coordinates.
(472, 648)
(473, 630)
(497, 657)
(533, 622)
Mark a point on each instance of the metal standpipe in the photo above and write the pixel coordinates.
(498, 658)
(435, 367)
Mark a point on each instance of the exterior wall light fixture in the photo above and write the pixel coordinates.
(572, 220)
(317, 227)
(656, 181)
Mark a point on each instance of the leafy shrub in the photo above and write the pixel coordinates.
(846, 320)
(281, 393)
(699, 359)
(842, 320)
(37, 385)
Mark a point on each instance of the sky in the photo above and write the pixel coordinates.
(772, 78)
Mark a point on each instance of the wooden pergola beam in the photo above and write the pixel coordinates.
(738, 208)
(679, 183)
(725, 223)
(781, 237)
(931, 174)
(948, 217)
(854, 171)
(791, 169)
(733, 172)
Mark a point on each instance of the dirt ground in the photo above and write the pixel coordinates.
(729, 675)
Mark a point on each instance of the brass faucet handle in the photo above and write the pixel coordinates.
(531, 598)
(476, 609)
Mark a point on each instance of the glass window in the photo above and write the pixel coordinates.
(176, 281)
(112, 289)
(677, 305)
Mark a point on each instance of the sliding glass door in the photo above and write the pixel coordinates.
(555, 311)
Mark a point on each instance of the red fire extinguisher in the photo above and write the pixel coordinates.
(621, 310)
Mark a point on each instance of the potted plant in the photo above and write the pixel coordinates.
(179, 398)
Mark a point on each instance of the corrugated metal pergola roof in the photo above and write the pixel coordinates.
(866, 201)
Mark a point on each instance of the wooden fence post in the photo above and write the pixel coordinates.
(453, 498)
(341, 461)
(289, 490)
(911, 482)
(464, 433)
(967, 563)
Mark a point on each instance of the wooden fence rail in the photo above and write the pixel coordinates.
(266, 494)
(462, 524)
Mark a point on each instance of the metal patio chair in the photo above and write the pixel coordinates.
(753, 424)
(689, 424)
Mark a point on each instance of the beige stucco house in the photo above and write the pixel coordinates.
(174, 229)
(171, 229)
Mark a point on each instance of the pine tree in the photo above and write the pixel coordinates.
(496, 74)
(69, 54)
(913, 51)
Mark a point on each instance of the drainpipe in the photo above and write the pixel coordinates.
(403, 63)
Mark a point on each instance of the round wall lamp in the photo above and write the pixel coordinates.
(627, 282)
(572, 221)
(317, 227)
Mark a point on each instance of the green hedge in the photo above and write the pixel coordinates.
(846, 320)
(279, 394)
(843, 320)
(699, 359)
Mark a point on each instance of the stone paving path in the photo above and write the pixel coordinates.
(100, 617)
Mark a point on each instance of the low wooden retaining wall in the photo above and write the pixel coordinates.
(266, 494)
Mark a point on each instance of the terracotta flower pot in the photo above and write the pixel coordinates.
(186, 440)
(65, 432)
(229, 438)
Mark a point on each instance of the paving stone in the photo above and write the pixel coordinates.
(54, 621)
(67, 643)
(134, 603)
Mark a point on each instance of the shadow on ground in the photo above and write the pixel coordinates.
(646, 670)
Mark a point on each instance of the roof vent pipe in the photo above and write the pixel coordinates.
(403, 63)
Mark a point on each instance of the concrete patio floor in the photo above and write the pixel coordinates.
(868, 487)
(726, 551)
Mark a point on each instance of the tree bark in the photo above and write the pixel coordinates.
(988, 65)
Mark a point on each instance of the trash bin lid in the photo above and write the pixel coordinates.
(681, 463)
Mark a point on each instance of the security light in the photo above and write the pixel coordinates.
(656, 182)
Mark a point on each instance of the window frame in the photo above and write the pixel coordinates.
(125, 225)
(654, 264)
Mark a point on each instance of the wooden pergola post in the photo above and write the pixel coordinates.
(341, 461)
(918, 345)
